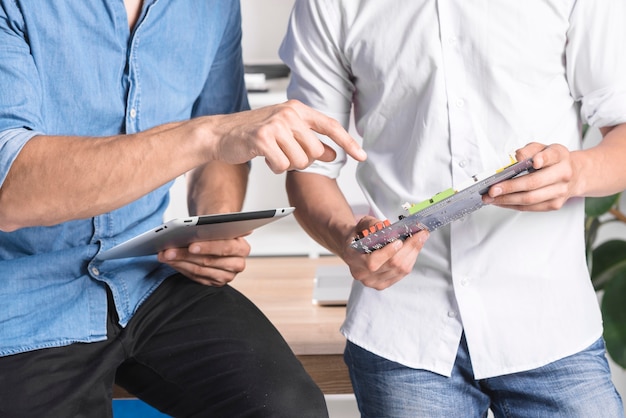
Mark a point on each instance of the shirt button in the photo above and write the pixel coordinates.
(95, 271)
(452, 40)
(459, 103)
(133, 113)
(462, 163)
(451, 314)
(464, 282)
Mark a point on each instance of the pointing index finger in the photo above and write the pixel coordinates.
(328, 126)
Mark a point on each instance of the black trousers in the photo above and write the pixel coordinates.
(190, 351)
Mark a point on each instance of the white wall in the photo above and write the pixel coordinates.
(264, 24)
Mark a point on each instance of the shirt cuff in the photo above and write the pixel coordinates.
(604, 108)
(11, 143)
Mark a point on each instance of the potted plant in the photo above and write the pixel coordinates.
(607, 265)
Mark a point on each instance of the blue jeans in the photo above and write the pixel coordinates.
(576, 386)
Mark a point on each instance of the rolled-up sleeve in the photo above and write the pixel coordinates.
(11, 143)
(20, 94)
(598, 79)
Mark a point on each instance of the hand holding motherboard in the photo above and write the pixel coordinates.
(441, 209)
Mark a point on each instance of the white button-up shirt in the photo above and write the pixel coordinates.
(443, 90)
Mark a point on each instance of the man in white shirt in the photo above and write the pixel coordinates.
(497, 310)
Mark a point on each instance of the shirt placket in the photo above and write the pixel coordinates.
(132, 104)
(465, 160)
(462, 138)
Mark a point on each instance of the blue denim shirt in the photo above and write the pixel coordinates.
(74, 68)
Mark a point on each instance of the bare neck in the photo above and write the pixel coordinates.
(133, 9)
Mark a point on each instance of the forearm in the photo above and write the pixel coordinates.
(60, 178)
(321, 209)
(602, 168)
(216, 187)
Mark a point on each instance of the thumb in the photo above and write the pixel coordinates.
(328, 155)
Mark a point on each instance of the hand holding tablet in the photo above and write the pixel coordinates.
(181, 232)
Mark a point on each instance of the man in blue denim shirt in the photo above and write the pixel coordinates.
(102, 105)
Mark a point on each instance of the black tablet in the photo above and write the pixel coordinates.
(181, 232)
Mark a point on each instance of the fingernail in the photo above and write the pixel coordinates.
(361, 155)
(170, 254)
(495, 191)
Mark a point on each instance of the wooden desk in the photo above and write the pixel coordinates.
(282, 287)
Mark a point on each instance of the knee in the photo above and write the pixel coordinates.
(303, 399)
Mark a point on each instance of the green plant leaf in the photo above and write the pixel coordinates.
(607, 260)
(596, 206)
(614, 315)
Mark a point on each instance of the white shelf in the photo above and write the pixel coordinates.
(276, 94)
